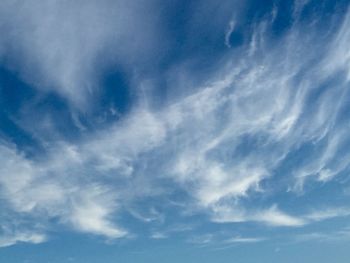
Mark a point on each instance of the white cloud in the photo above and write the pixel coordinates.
(338, 59)
(330, 236)
(271, 216)
(33, 238)
(12, 233)
(90, 211)
(63, 45)
(220, 142)
(202, 239)
(222, 240)
(158, 235)
(329, 213)
(33, 189)
(71, 181)
(274, 217)
(230, 30)
(244, 240)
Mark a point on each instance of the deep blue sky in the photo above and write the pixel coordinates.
(174, 131)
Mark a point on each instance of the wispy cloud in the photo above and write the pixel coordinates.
(10, 234)
(12, 239)
(328, 214)
(271, 216)
(222, 143)
(219, 241)
(230, 29)
(61, 45)
(333, 236)
(244, 240)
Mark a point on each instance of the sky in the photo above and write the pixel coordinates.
(174, 131)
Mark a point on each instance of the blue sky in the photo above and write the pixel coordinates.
(174, 131)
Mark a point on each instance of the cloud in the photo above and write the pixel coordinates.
(158, 235)
(42, 191)
(328, 213)
(220, 240)
(330, 236)
(224, 144)
(228, 33)
(271, 216)
(275, 217)
(245, 240)
(168, 231)
(14, 229)
(234, 133)
(90, 213)
(72, 181)
(202, 239)
(65, 46)
(13, 239)
(338, 58)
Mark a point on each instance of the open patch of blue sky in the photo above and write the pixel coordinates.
(168, 131)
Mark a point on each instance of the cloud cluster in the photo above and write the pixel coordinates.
(223, 143)
(65, 46)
